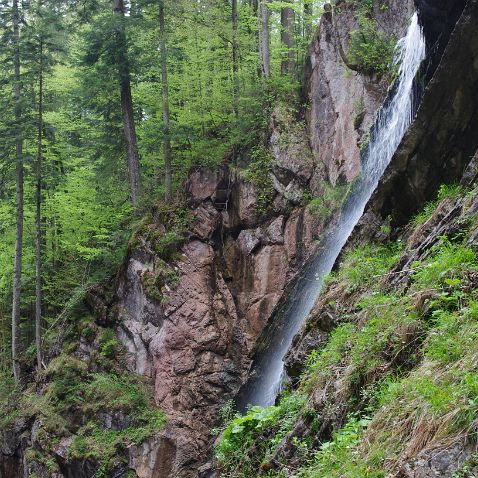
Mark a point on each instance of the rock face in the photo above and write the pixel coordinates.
(238, 260)
(343, 103)
(197, 343)
(444, 136)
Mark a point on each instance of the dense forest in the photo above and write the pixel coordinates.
(105, 110)
(238, 238)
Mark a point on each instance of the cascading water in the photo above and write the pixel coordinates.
(391, 124)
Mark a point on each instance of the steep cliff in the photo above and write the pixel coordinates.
(239, 257)
(382, 373)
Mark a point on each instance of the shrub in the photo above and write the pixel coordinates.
(371, 49)
(258, 173)
(263, 427)
(109, 344)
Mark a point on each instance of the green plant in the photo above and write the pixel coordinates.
(109, 344)
(263, 427)
(371, 49)
(258, 173)
(335, 458)
(331, 200)
(364, 265)
(424, 214)
(451, 191)
(448, 262)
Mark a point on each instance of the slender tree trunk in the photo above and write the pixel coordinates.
(38, 236)
(127, 104)
(287, 38)
(17, 268)
(308, 13)
(165, 94)
(235, 59)
(264, 48)
(254, 4)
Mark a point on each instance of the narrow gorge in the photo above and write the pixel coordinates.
(309, 311)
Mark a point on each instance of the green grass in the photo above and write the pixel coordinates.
(365, 265)
(450, 191)
(334, 458)
(439, 398)
(402, 364)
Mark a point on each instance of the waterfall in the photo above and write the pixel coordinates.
(390, 126)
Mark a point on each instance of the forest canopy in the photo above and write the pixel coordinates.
(106, 106)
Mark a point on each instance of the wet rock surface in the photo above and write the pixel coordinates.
(444, 136)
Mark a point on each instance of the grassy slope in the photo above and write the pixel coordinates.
(399, 373)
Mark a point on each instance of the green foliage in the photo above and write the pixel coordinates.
(87, 217)
(261, 427)
(437, 400)
(406, 359)
(258, 173)
(72, 388)
(334, 458)
(448, 264)
(9, 395)
(324, 359)
(370, 48)
(331, 200)
(446, 191)
(425, 214)
(109, 344)
(365, 265)
(451, 191)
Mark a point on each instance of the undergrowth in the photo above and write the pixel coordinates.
(371, 49)
(104, 409)
(398, 374)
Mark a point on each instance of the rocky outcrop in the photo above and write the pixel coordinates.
(444, 136)
(238, 260)
(343, 102)
(196, 343)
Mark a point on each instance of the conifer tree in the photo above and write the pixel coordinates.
(165, 96)
(17, 270)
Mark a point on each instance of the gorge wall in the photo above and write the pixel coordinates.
(238, 261)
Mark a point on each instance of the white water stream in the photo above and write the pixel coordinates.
(391, 124)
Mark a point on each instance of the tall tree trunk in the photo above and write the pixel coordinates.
(308, 13)
(165, 94)
(287, 38)
(38, 236)
(235, 59)
(17, 268)
(254, 4)
(127, 104)
(264, 48)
